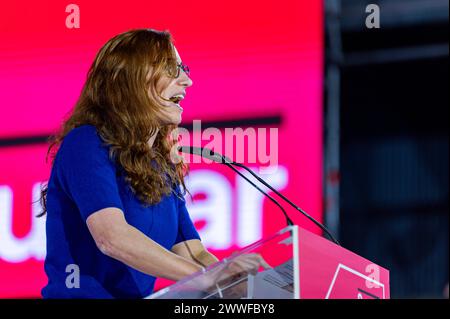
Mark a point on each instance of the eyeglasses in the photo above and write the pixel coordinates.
(181, 66)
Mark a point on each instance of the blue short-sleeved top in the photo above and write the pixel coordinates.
(84, 180)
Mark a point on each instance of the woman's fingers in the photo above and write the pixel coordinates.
(239, 266)
(248, 265)
(263, 263)
(257, 258)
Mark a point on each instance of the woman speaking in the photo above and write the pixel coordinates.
(114, 201)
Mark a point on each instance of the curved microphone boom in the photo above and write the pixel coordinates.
(218, 158)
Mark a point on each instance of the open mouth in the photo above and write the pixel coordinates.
(176, 98)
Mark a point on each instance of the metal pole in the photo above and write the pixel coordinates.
(334, 58)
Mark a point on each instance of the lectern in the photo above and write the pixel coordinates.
(302, 265)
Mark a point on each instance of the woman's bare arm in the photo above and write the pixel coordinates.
(194, 250)
(119, 240)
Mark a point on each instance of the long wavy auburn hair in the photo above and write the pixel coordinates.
(119, 98)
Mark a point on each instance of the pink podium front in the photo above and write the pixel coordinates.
(299, 264)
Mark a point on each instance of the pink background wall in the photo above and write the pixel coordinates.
(248, 59)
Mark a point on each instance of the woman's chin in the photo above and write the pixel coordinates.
(174, 115)
(178, 121)
(174, 120)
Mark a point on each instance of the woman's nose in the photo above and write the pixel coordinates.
(184, 79)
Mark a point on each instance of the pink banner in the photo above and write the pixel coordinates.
(248, 60)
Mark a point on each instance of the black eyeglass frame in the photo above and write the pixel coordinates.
(183, 67)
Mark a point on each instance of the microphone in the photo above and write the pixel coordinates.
(205, 153)
(218, 158)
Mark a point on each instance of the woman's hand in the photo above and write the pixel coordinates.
(228, 274)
